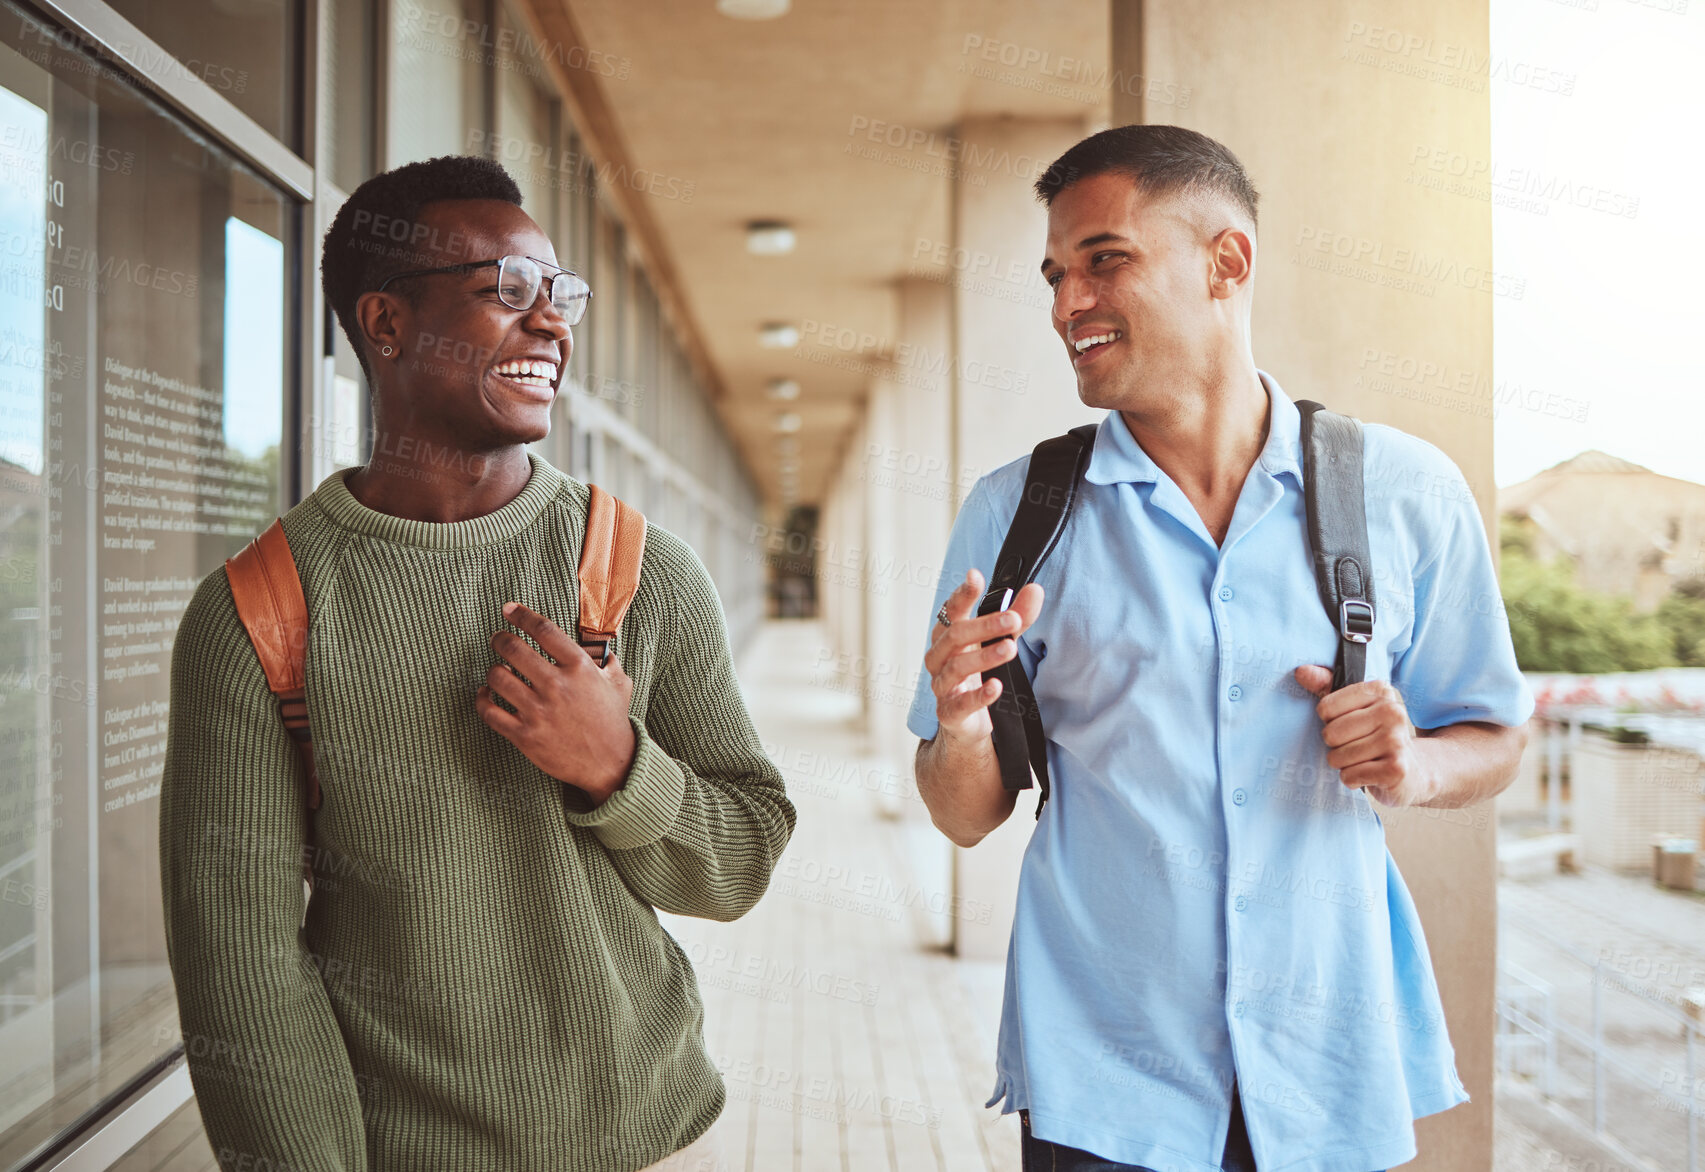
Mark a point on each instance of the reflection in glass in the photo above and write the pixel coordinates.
(254, 345)
(245, 50)
(143, 316)
(437, 95)
(26, 1008)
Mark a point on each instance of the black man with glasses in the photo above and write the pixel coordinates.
(478, 978)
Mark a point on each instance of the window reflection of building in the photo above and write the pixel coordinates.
(141, 387)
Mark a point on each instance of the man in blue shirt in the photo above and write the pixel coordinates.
(1214, 961)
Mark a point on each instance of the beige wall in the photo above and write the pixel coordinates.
(1338, 135)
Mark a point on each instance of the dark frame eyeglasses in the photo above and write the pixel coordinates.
(519, 279)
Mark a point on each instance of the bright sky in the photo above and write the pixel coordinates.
(254, 338)
(1614, 309)
(23, 321)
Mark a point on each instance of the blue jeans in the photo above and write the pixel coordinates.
(1042, 1156)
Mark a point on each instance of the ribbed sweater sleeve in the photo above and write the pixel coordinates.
(702, 818)
(270, 1069)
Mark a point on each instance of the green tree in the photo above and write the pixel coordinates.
(1558, 625)
(1683, 615)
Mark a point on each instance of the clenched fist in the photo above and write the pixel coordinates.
(571, 716)
(1369, 738)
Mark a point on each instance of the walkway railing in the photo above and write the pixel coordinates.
(1531, 1032)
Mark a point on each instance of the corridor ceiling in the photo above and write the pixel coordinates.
(764, 119)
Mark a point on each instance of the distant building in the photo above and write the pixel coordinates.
(1628, 530)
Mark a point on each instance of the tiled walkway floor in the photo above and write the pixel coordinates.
(849, 1041)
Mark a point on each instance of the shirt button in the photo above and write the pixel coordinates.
(1234, 693)
(1226, 593)
(1241, 903)
(1238, 797)
(1237, 1010)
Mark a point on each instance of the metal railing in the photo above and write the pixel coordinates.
(1530, 1032)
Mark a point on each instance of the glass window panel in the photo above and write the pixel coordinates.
(582, 214)
(346, 431)
(436, 100)
(144, 310)
(349, 29)
(526, 130)
(621, 283)
(247, 50)
(639, 397)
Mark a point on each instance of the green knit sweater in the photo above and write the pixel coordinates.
(479, 980)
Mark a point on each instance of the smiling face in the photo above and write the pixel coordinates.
(467, 369)
(1148, 295)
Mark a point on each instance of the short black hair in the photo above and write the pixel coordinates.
(1161, 160)
(377, 231)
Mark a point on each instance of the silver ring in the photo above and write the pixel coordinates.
(941, 616)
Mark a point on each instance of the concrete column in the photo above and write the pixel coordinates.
(1013, 387)
(1374, 295)
(845, 553)
(839, 530)
(912, 487)
(874, 463)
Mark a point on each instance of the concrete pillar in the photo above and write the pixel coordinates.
(912, 486)
(1374, 294)
(1013, 387)
(878, 459)
(845, 554)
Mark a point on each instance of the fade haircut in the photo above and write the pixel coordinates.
(378, 231)
(1160, 160)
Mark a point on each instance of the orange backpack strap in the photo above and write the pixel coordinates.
(269, 600)
(609, 570)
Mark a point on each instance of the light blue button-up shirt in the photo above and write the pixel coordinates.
(1203, 900)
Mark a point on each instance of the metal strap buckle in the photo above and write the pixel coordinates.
(1006, 600)
(599, 649)
(1355, 620)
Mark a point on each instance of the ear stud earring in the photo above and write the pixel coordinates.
(387, 351)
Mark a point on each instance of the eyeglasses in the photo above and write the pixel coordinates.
(518, 281)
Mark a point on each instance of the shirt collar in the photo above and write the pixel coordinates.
(1119, 459)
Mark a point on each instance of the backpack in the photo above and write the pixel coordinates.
(1337, 537)
(268, 594)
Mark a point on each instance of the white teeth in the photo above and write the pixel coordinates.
(528, 370)
(1083, 344)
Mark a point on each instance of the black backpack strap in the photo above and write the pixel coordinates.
(1338, 533)
(1056, 471)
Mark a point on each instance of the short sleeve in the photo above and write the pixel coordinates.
(1460, 664)
(975, 541)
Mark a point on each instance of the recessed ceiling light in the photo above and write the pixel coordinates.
(753, 9)
(769, 238)
(784, 388)
(787, 421)
(787, 446)
(778, 335)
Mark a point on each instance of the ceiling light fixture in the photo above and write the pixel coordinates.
(769, 238)
(787, 422)
(784, 388)
(753, 9)
(778, 335)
